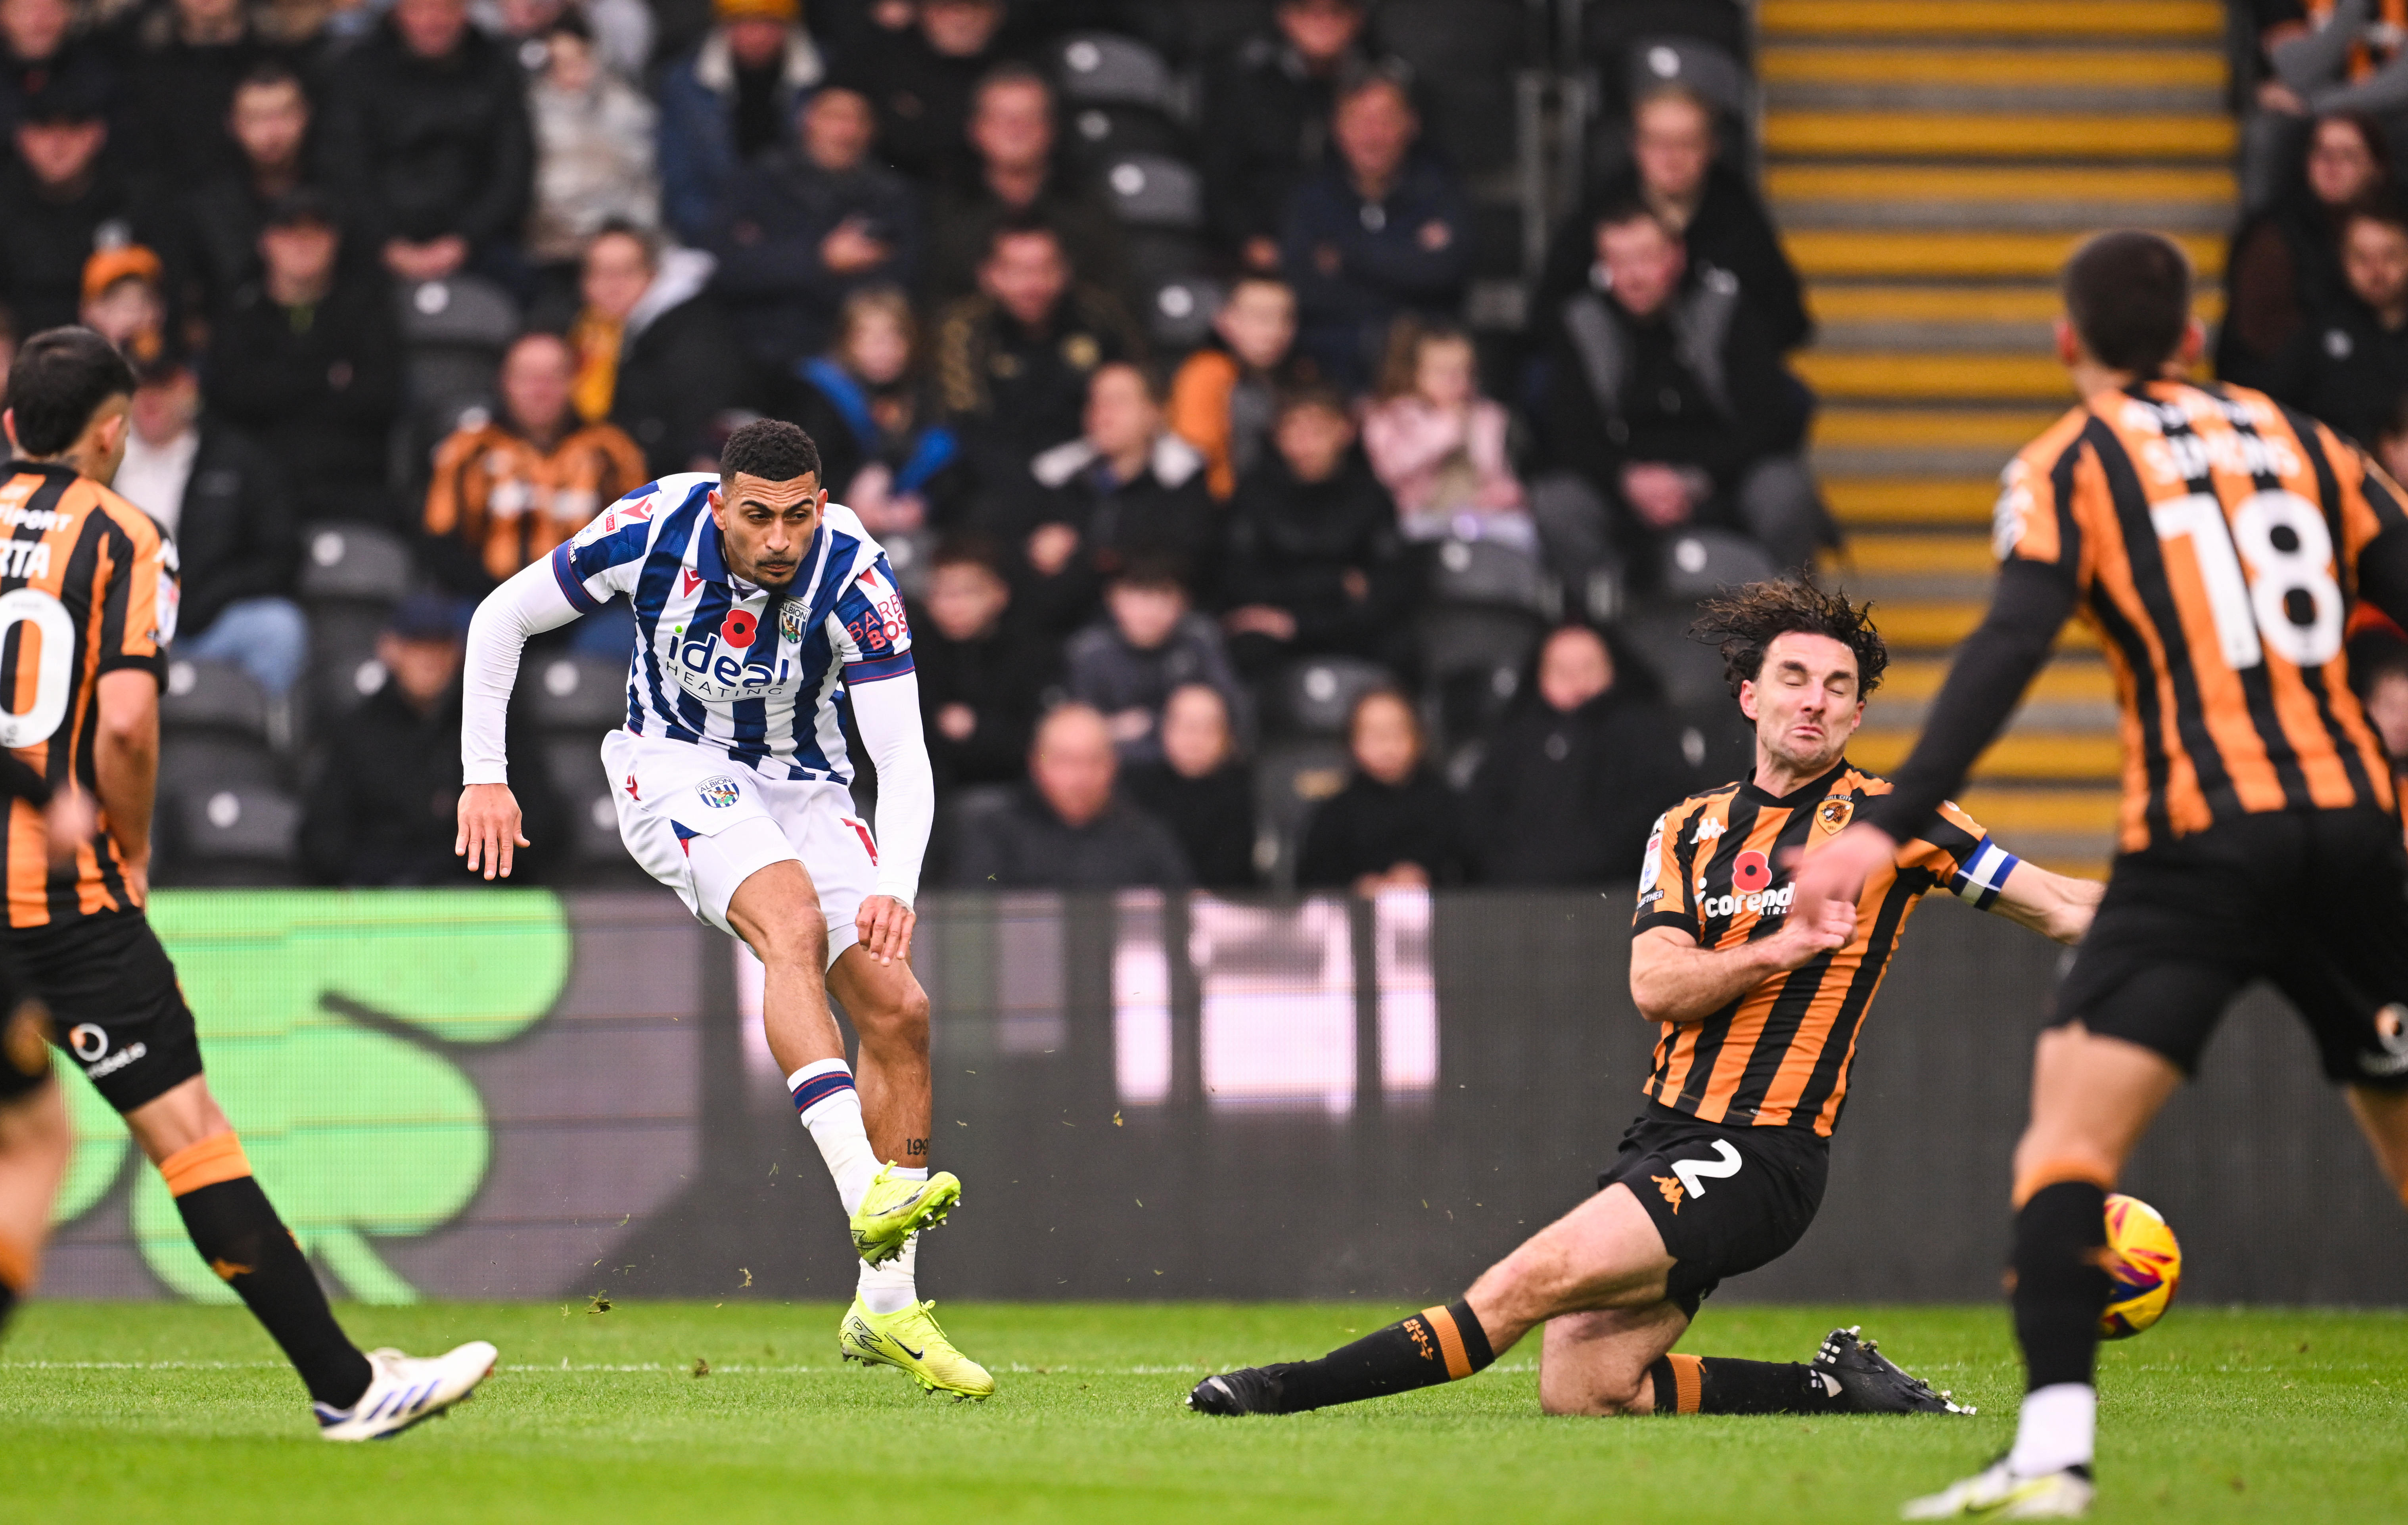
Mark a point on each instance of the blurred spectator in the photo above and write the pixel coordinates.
(1382, 231)
(308, 358)
(593, 148)
(1150, 642)
(1671, 409)
(920, 78)
(1570, 784)
(1016, 178)
(186, 59)
(1127, 487)
(125, 302)
(1266, 110)
(7, 344)
(216, 247)
(39, 52)
(1223, 398)
(1393, 827)
(227, 503)
(1200, 789)
(980, 681)
(2286, 263)
(2386, 708)
(881, 452)
(730, 99)
(806, 227)
(618, 33)
(1674, 173)
(508, 490)
(382, 811)
(655, 354)
(1315, 563)
(1438, 446)
(2275, 118)
(1013, 361)
(2353, 57)
(427, 135)
(1066, 829)
(66, 199)
(2352, 366)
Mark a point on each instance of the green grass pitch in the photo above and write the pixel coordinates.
(151, 1412)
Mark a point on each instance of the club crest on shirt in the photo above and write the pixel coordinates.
(718, 792)
(1833, 813)
(790, 620)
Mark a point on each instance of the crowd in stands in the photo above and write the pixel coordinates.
(1150, 352)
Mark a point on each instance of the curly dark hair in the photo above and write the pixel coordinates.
(1744, 622)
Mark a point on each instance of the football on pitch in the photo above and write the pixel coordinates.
(2144, 1265)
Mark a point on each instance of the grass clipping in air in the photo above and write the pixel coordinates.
(117, 1413)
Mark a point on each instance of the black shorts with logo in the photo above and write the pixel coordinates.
(115, 1005)
(2315, 901)
(1727, 1200)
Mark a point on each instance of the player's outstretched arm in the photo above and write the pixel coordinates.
(527, 604)
(887, 712)
(1674, 980)
(125, 769)
(2051, 904)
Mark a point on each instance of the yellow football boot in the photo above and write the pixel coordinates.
(910, 1341)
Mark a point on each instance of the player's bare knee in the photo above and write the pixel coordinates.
(899, 1021)
(798, 938)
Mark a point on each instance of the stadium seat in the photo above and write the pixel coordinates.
(230, 835)
(1709, 70)
(1105, 68)
(357, 562)
(1463, 58)
(1486, 574)
(1474, 659)
(1290, 779)
(1154, 191)
(453, 332)
(1716, 740)
(574, 765)
(1100, 133)
(1179, 313)
(580, 693)
(1699, 561)
(1314, 696)
(215, 729)
(1691, 670)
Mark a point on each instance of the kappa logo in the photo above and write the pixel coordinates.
(1834, 813)
(719, 792)
(1672, 1192)
(1418, 1328)
(1709, 827)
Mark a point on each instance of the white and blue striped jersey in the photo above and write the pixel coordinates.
(756, 674)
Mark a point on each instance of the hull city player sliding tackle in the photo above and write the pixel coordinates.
(760, 608)
(88, 596)
(2214, 541)
(1760, 1008)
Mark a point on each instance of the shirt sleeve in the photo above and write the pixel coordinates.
(604, 559)
(1960, 856)
(138, 608)
(1663, 882)
(871, 634)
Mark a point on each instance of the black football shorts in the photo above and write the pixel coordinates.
(2315, 901)
(115, 1006)
(24, 1037)
(1726, 1200)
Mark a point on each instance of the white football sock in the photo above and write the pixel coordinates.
(831, 1109)
(893, 1287)
(2057, 1429)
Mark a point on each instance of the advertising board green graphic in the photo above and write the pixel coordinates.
(326, 1021)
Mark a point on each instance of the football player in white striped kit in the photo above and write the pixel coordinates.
(760, 608)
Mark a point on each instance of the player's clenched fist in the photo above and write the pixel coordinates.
(489, 828)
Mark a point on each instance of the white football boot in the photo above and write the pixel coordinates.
(1999, 1492)
(405, 1389)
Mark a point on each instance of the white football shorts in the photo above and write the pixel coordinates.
(702, 825)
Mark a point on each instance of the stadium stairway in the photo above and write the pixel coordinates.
(1930, 163)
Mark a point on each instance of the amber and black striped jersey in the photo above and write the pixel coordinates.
(2213, 538)
(87, 586)
(1779, 1056)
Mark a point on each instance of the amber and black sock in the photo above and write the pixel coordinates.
(237, 1233)
(1724, 1385)
(1434, 1345)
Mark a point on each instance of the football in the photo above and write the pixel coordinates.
(2143, 1264)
